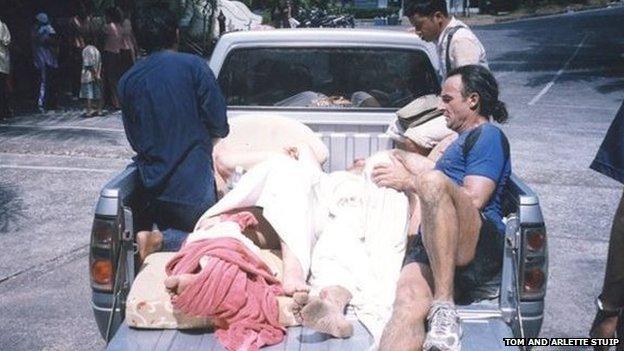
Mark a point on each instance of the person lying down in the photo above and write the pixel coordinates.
(342, 238)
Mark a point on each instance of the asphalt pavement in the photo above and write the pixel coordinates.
(562, 78)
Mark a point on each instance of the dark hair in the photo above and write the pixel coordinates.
(424, 7)
(113, 14)
(81, 10)
(478, 79)
(155, 27)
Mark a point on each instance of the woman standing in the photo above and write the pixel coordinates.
(111, 57)
(128, 49)
(79, 27)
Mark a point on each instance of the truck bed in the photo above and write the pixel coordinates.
(478, 332)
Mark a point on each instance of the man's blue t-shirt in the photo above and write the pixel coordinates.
(172, 108)
(488, 157)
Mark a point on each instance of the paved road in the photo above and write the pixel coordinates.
(562, 78)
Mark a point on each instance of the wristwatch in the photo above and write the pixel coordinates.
(607, 312)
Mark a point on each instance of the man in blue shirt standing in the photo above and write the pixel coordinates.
(173, 113)
(461, 236)
(610, 162)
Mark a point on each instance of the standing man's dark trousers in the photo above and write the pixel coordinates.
(610, 315)
(613, 288)
(5, 111)
(611, 299)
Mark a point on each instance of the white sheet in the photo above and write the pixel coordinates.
(363, 243)
(341, 227)
(283, 187)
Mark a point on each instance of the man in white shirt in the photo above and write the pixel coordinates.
(456, 44)
(5, 68)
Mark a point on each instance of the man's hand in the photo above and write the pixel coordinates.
(395, 175)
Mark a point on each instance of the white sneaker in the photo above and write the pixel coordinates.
(444, 328)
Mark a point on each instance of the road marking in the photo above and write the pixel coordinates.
(502, 74)
(559, 73)
(52, 168)
(564, 14)
(50, 264)
(580, 107)
(9, 154)
(28, 126)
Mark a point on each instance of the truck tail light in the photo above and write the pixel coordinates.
(536, 239)
(103, 232)
(534, 279)
(102, 272)
(101, 266)
(533, 263)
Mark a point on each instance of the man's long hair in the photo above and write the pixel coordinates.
(478, 79)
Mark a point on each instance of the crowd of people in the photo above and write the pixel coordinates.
(80, 57)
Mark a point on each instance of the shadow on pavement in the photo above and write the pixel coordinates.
(547, 44)
(94, 137)
(11, 208)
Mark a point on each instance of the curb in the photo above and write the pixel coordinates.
(475, 21)
(562, 12)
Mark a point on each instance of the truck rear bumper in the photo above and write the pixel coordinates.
(478, 335)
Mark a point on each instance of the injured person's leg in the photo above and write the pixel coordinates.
(263, 235)
(324, 313)
(148, 242)
(294, 279)
(176, 284)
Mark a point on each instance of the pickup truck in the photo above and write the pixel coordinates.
(287, 72)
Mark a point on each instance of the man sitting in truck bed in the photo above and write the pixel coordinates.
(460, 244)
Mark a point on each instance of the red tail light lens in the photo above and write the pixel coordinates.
(103, 242)
(534, 263)
(534, 279)
(102, 274)
(536, 240)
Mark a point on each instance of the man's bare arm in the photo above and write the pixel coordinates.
(402, 173)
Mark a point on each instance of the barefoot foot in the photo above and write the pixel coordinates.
(322, 316)
(148, 242)
(299, 300)
(176, 284)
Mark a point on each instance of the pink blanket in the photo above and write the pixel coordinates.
(234, 287)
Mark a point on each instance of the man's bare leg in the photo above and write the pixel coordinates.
(406, 328)
(148, 242)
(450, 231)
(450, 225)
(324, 313)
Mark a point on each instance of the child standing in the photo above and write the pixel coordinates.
(90, 79)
